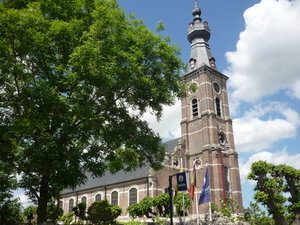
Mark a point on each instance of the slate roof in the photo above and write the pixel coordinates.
(119, 177)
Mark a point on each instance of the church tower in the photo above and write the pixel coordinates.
(206, 126)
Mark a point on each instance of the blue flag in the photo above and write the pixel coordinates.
(205, 194)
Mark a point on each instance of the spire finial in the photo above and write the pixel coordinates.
(196, 5)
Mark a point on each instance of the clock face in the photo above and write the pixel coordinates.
(216, 87)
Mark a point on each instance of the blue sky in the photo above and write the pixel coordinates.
(255, 43)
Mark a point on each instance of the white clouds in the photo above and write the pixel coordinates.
(169, 126)
(295, 92)
(279, 157)
(264, 125)
(267, 55)
(23, 198)
(266, 60)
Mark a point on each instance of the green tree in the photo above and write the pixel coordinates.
(182, 202)
(10, 212)
(80, 210)
(9, 208)
(76, 76)
(66, 219)
(103, 213)
(143, 208)
(29, 212)
(135, 210)
(162, 203)
(274, 182)
(8, 160)
(54, 212)
(257, 216)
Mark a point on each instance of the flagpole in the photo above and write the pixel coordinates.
(209, 211)
(183, 214)
(197, 208)
(209, 201)
(209, 204)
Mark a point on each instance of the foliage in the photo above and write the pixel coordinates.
(162, 202)
(257, 216)
(182, 202)
(10, 212)
(274, 182)
(54, 212)
(29, 212)
(102, 213)
(80, 210)
(135, 210)
(71, 73)
(226, 209)
(67, 218)
(193, 87)
(132, 222)
(160, 220)
(9, 207)
(143, 208)
(226, 212)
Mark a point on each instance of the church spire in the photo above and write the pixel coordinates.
(198, 36)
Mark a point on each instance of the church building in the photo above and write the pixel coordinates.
(206, 141)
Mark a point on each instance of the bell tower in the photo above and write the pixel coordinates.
(206, 125)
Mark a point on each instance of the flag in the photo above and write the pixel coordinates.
(176, 192)
(193, 183)
(205, 194)
(176, 187)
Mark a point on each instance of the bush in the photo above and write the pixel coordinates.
(103, 213)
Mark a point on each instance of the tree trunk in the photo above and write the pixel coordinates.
(279, 220)
(43, 201)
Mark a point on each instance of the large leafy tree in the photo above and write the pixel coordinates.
(76, 77)
(274, 184)
(9, 208)
(10, 212)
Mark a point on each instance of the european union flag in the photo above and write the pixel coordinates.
(205, 194)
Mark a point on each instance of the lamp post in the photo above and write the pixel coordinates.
(171, 198)
(219, 154)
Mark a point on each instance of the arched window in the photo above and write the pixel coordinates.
(83, 199)
(132, 196)
(98, 198)
(114, 198)
(195, 110)
(218, 107)
(71, 205)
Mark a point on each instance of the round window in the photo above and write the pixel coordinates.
(216, 87)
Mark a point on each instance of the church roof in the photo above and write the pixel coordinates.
(119, 177)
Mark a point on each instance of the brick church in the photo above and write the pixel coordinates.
(206, 140)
